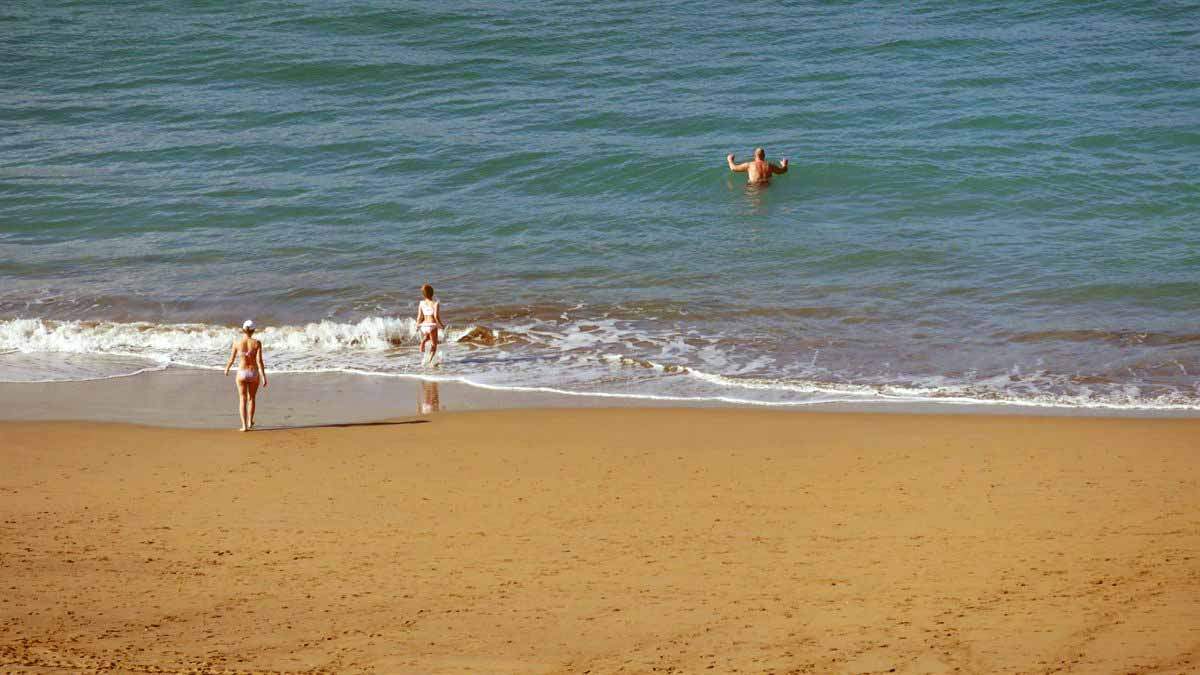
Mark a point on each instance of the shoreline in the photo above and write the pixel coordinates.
(182, 397)
(577, 540)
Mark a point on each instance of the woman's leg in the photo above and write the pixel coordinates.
(241, 385)
(252, 392)
(433, 335)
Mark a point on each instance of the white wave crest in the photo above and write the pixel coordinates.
(150, 339)
(552, 358)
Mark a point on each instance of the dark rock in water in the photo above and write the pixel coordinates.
(479, 336)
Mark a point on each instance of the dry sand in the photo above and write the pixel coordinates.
(605, 541)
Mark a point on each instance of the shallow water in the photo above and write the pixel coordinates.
(994, 202)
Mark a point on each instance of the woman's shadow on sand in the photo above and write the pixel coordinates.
(340, 425)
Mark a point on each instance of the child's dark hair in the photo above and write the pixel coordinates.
(427, 291)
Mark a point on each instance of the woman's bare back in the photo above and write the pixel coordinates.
(247, 351)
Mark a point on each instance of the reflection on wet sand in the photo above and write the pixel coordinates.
(428, 401)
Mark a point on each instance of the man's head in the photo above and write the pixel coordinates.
(759, 153)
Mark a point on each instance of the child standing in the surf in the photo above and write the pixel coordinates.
(429, 320)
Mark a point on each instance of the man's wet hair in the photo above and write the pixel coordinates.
(759, 153)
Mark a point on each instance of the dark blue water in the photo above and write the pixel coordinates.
(985, 202)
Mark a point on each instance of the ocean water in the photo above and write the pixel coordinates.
(987, 201)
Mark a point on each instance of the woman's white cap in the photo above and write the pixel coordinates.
(249, 325)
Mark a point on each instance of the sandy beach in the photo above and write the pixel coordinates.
(605, 540)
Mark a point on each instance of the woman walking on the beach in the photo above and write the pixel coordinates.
(429, 320)
(250, 368)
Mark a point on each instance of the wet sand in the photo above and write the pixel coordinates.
(605, 540)
(204, 399)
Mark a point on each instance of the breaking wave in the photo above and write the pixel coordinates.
(599, 357)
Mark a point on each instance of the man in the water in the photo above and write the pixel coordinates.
(760, 170)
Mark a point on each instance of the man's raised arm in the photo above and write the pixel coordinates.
(736, 167)
(782, 168)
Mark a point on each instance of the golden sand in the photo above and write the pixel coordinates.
(602, 541)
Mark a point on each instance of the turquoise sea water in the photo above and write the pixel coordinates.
(987, 201)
